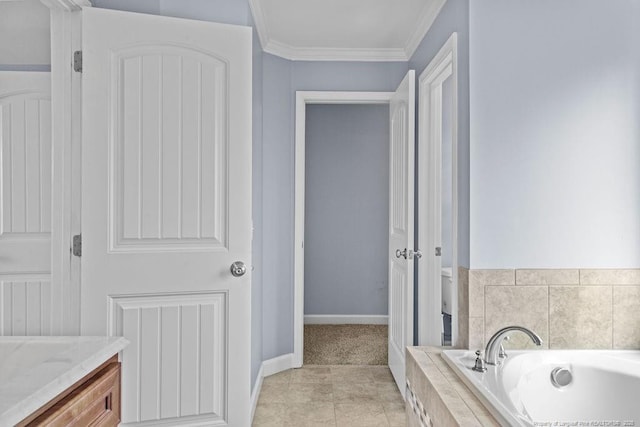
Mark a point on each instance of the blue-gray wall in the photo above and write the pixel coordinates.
(454, 17)
(24, 67)
(281, 79)
(224, 11)
(346, 209)
(277, 208)
(141, 6)
(555, 150)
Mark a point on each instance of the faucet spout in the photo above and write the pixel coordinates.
(494, 343)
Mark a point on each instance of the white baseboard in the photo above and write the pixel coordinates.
(345, 319)
(255, 393)
(277, 364)
(269, 367)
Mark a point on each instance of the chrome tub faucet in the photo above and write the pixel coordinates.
(494, 345)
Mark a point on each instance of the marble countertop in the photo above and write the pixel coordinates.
(34, 370)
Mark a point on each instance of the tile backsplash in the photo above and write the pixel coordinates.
(568, 308)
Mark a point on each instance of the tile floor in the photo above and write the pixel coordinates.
(320, 395)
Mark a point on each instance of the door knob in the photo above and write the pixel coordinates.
(401, 253)
(238, 269)
(408, 253)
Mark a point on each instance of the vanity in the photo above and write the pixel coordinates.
(60, 380)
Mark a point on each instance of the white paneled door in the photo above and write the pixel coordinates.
(166, 191)
(401, 183)
(26, 305)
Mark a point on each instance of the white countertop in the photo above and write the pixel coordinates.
(34, 370)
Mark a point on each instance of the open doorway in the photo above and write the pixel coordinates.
(346, 239)
(330, 205)
(399, 109)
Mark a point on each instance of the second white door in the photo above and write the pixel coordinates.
(401, 201)
(28, 304)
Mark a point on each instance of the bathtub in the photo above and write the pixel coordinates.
(604, 387)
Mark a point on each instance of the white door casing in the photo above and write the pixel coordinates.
(303, 98)
(166, 209)
(401, 201)
(441, 67)
(26, 298)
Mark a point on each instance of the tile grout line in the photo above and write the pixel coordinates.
(549, 317)
(612, 317)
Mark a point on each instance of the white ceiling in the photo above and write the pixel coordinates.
(352, 30)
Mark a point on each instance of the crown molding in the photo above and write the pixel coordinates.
(294, 53)
(260, 21)
(66, 5)
(427, 18)
(335, 54)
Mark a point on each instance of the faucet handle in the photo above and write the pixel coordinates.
(479, 365)
(501, 353)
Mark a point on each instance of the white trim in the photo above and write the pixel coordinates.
(255, 393)
(345, 319)
(443, 65)
(302, 99)
(66, 110)
(259, 21)
(428, 16)
(267, 368)
(277, 364)
(335, 54)
(426, 19)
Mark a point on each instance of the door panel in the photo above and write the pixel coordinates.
(26, 306)
(25, 204)
(402, 116)
(172, 144)
(166, 210)
(176, 360)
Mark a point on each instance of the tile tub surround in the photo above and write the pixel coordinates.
(441, 394)
(568, 308)
(463, 308)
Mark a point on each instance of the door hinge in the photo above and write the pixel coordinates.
(438, 251)
(77, 245)
(77, 61)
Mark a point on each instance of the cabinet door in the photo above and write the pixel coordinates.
(26, 306)
(166, 211)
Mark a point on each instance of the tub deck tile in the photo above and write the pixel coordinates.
(448, 400)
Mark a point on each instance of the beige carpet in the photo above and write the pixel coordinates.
(345, 344)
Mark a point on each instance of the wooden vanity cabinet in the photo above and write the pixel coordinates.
(92, 401)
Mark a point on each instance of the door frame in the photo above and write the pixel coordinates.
(66, 141)
(429, 188)
(302, 99)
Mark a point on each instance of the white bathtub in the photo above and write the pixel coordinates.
(605, 389)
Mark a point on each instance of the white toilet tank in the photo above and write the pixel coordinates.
(447, 284)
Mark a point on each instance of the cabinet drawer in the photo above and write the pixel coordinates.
(96, 402)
